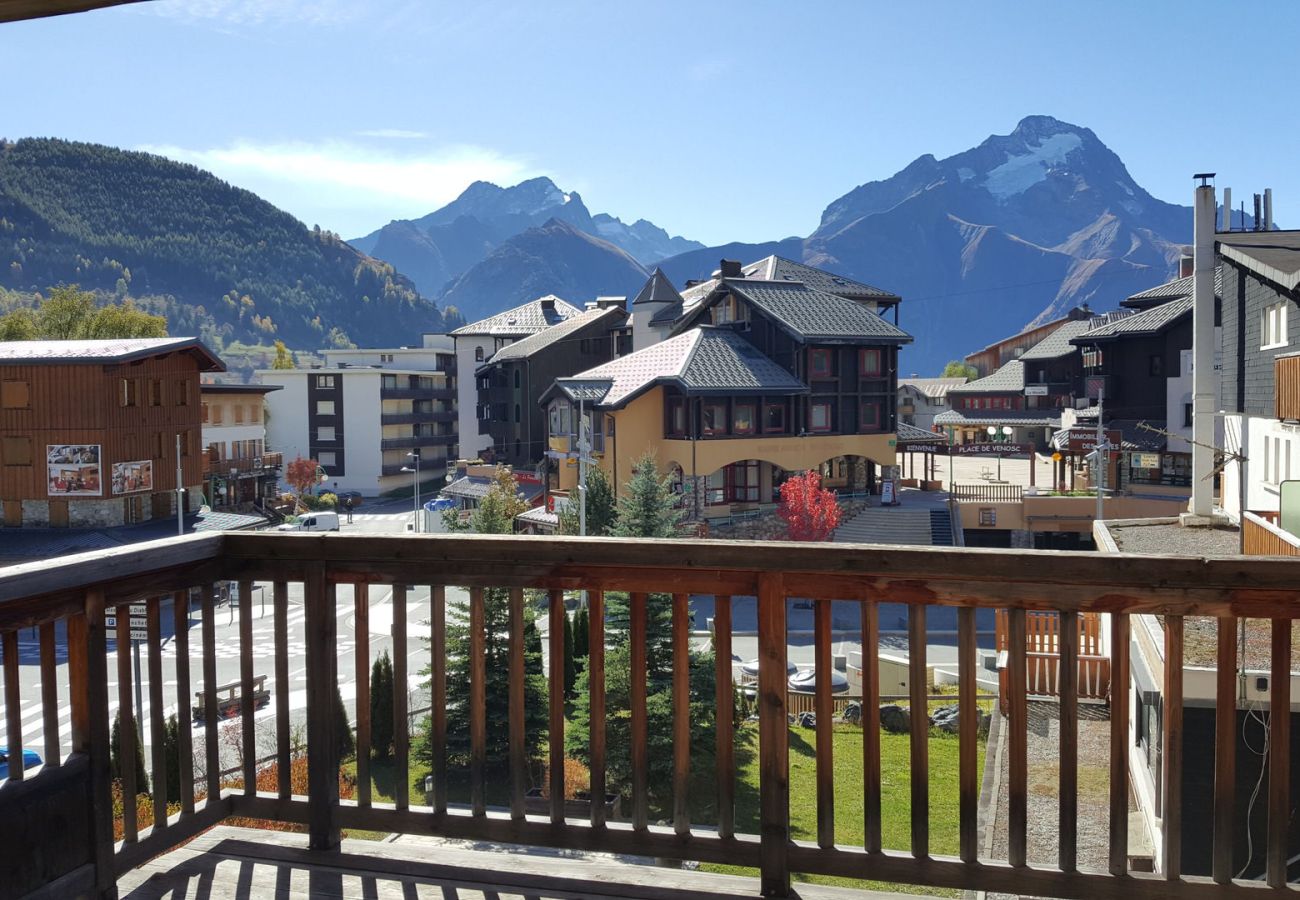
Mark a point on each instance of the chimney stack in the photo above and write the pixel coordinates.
(1259, 212)
(1185, 265)
(730, 268)
(1227, 209)
(1268, 209)
(1203, 392)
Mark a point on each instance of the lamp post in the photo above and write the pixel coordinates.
(415, 477)
(1001, 436)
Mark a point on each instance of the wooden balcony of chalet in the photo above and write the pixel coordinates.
(57, 825)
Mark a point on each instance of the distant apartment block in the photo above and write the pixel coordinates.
(90, 430)
(238, 469)
(365, 413)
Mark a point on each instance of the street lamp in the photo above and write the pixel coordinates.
(415, 455)
(1001, 436)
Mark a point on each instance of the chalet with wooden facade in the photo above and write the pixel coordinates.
(90, 430)
(511, 383)
(238, 469)
(758, 379)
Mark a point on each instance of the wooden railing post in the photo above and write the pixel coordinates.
(773, 737)
(88, 695)
(322, 665)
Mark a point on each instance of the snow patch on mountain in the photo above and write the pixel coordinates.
(965, 173)
(1021, 172)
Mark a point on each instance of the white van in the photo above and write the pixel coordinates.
(315, 521)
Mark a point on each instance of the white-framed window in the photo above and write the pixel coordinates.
(325, 433)
(324, 381)
(1272, 328)
(1277, 459)
(325, 457)
(324, 407)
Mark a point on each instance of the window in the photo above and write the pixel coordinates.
(516, 413)
(1272, 328)
(203, 413)
(155, 392)
(239, 413)
(389, 382)
(323, 408)
(324, 381)
(186, 438)
(869, 416)
(677, 416)
(183, 389)
(1277, 460)
(129, 395)
(774, 418)
(819, 417)
(326, 457)
(1156, 365)
(158, 449)
(742, 419)
(742, 481)
(255, 413)
(518, 378)
(869, 361)
(325, 433)
(713, 418)
(1187, 415)
(16, 450)
(15, 395)
(819, 363)
(478, 354)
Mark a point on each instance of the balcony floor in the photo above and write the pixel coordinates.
(228, 862)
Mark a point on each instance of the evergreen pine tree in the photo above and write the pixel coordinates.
(601, 508)
(115, 756)
(172, 753)
(581, 635)
(382, 726)
(646, 508)
(570, 664)
(342, 727)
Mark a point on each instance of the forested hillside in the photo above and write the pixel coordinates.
(216, 260)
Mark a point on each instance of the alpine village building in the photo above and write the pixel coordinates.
(760, 372)
(90, 429)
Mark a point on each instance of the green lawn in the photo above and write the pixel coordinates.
(849, 831)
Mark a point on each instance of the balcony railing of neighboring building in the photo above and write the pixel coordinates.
(72, 596)
(407, 442)
(430, 465)
(1286, 388)
(989, 493)
(416, 418)
(214, 466)
(406, 392)
(568, 443)
(1263, 535)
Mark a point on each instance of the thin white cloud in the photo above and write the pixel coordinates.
(395, 133)
(259, 12)
(349, 187)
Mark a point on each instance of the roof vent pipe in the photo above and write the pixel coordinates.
(1203, 394)
(1268, 209)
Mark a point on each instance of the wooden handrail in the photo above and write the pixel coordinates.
(1034, 586)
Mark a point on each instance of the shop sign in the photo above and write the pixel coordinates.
(1144, 460)
(993, 449)
(1035, 390)
(1084, 440)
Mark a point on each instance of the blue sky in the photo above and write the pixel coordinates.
(719, 121)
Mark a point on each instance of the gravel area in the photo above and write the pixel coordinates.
(1172, 538)
(1093, 824)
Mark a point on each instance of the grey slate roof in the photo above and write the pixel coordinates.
(476, 487)
(1151, 321)
(1171, 290)
(933, 388)
(56, 353)
(778, 268)
(526, 347)
(704, 360)
(1273, 254)
(1009, 378)
(812, 314)
(1057, 344)
(230, 387)
(910, 434)
(1045, 417)
(657, 289)
(529, 318)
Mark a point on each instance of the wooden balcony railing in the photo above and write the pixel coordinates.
(1286, 388)
(66, 846)
(1263, 536)
(1044, 649)
(268, 460)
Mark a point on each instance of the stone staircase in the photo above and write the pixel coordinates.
(888, 526)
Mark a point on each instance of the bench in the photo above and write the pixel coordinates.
(228, 700)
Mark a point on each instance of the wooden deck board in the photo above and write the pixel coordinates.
(227, 863)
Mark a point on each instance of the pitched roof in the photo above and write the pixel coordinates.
(812, 314)
(1151, 321)
(999, 417)
(230, 387)
(778, 268)
(529, 318)
(910, 434)
(1009, 378)
(657, 289)
(1171, 290)
(476, 487)
(55, 353)
(704, 360)
(1273, 254)
(525, 347)
(933, 388)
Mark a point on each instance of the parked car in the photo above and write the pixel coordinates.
(345, 496)
(315, 521)
(30, 760)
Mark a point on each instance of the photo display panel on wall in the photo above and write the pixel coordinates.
(73, 470)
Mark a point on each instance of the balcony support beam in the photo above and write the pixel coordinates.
(773, 737)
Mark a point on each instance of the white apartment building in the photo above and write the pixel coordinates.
(364, 413)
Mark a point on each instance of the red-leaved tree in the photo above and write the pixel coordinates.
(810, 511)
(301, 474)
